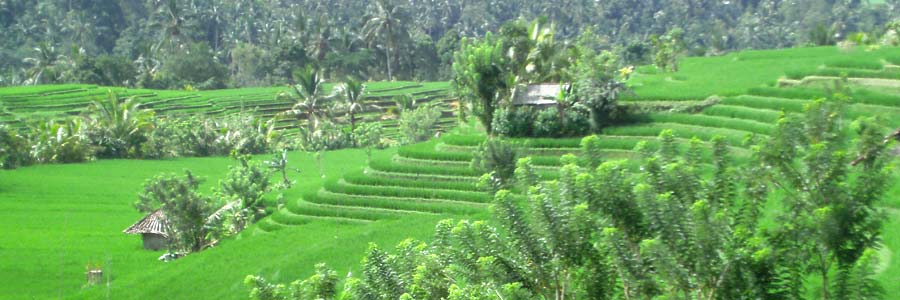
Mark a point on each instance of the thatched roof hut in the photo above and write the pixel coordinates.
(543, 94)
(152, 229)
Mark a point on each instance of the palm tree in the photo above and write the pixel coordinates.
(123, 125)
(307, 96)
(404, 102)
(45, 60)
(171, 27)
(386, 26)
(353, 93)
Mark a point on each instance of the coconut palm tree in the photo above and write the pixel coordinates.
(307, 96)
(120, 126)
(404, 102)
(44, 61)
(386, 28)
(353, 93)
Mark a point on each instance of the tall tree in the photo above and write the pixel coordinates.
(386, 27)
(353, 93)
(307, 95)
(482, 77)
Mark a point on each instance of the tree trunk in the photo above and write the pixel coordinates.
(561, 109)
(352, 122)
(595, 123)
(390, 74)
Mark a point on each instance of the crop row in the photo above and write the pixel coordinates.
(713, 121)
(855, 63)
(288, 218)
(404, 204)
(386, 165)
(777, 104)
(742, 112)
(733, 137)
(361, 178)
(305, 207)
(404, 192)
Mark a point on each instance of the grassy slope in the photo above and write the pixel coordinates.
(64, 217)
(733, 74)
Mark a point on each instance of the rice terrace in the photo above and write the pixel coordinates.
(391, 149)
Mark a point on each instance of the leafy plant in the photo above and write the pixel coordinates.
(186, 211)
(498, 157)
(420, 124)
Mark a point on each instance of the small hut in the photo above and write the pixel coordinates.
(152, 229)
(539, 95)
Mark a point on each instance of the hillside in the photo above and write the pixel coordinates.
(21, 105)
(69, 216)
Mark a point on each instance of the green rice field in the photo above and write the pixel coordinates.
(66, 217)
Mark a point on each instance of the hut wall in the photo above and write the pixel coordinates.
(154, 241)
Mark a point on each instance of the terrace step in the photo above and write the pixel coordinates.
(290, 219)
(345, 187)
(369, 178)
(435, 206)
(303, 207)
(714, 122)
(268, 225)
(743, 112)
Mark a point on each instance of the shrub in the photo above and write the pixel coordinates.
(246, 183)
(118, 128)
(13, 149)
(185, 209)
(60, 142)
(514, 122)
(548, 124)
(591, 151)
(419, 124)
(578, 121)
(327, 136)
(497, 156)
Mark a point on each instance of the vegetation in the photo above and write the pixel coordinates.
(214, 44)
(753, 174)
(186, 210)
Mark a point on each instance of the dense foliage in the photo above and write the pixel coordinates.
(679, 227)
(215, 43)
(492, 77)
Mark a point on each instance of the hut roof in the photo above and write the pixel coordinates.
(537, 94)
(154, 222)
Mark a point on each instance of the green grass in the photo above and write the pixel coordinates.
(855, 63)
(360, 178)
(68, 216)
(741, 112)
(734, 73)
(713, 121)
(406, 192)
(386, 165)
(733, 137)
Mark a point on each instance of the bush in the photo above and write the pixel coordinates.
(548, 124)
(13, 149)
(60, 142)
(514, 122)
(499, 157)
(419, 124)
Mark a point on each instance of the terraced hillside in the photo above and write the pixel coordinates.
(403, 191)
(20, 105)
(435, 178)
